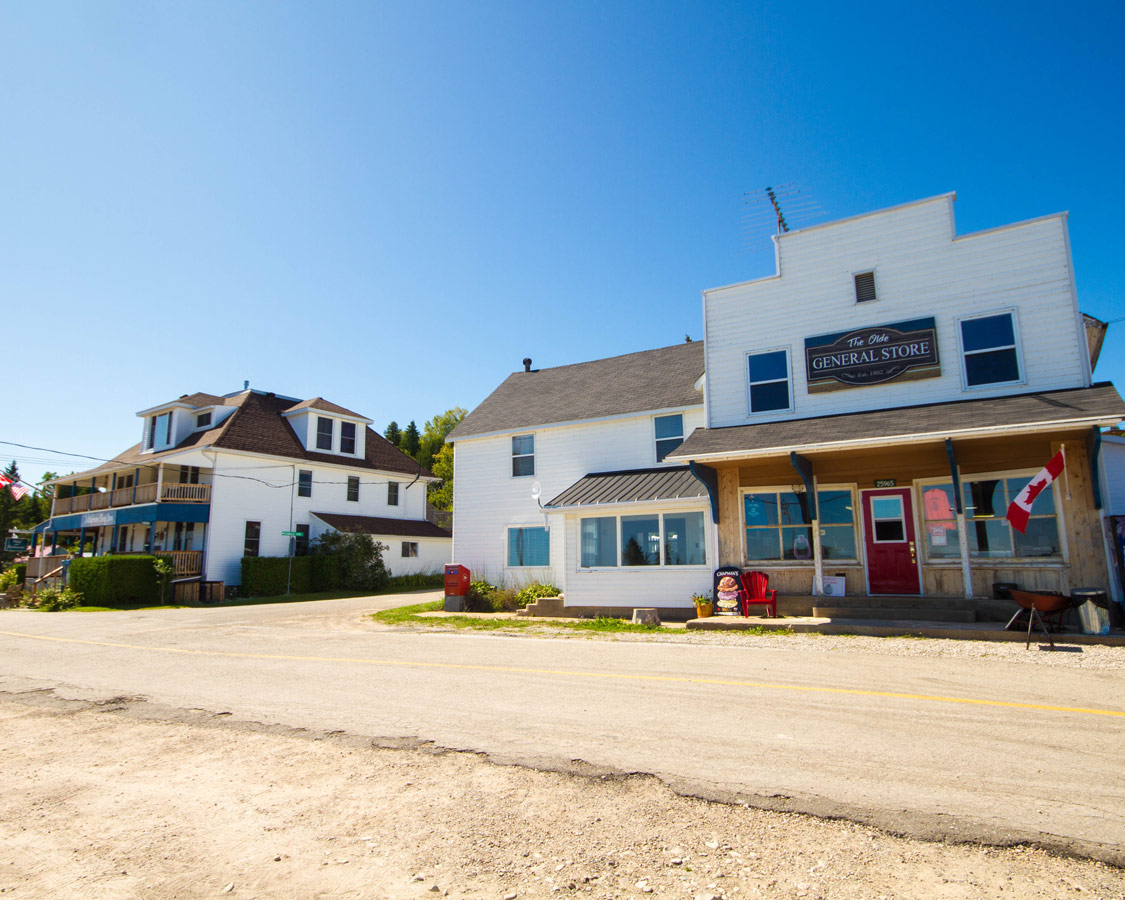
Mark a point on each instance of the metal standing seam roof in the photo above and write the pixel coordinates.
(632, 486)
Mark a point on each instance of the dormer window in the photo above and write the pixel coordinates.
(203, 420)
(160, 429)
(347, 437)
(323, 433)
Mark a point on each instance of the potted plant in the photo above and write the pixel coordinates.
(703, 605)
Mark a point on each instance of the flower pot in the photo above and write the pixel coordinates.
(704, 610)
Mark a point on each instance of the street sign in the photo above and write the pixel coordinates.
(293, 533)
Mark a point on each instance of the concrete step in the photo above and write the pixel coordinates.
(897, 601)
(895, 614)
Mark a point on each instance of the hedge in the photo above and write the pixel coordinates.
(115, 580)
(266, 576)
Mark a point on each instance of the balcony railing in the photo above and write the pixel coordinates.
(170, 492)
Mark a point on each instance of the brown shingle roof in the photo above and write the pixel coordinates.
(633, 383)
(257, 426)
(324, 406)
(1078, 407)
(380, 525)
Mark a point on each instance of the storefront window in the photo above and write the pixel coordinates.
(989, 534)
(939, 522)
(836, 515)
(683, 540)
(640, 540)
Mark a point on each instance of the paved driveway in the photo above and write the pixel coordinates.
(971, 748)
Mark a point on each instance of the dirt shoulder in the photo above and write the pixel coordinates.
(125, 799)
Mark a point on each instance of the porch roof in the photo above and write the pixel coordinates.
(1046, 411)
(384, 525)
(632, 486)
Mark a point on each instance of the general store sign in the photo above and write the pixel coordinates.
(903, 351)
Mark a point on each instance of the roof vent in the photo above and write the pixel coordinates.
(864, 287)
(527, 363)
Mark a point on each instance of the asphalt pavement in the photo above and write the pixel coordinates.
(964, 749)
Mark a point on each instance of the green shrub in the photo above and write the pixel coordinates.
(8, 577)
(266, 576)
(359, 560)
(115, 580)
(418, 579)
(479, 598)
(503, 600)
(54, 599)
(532, 592)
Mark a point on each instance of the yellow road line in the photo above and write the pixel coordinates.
(673, 679)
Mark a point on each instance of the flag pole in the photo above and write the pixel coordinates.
(1066, 471)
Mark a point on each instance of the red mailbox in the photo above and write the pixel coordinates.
(456, 581)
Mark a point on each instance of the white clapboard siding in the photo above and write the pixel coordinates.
(263, 489)
(921, 270)
(487, 500)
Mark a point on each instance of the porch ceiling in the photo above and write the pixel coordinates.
(1075, 408)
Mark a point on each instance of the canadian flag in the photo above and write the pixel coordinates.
(1020, 508)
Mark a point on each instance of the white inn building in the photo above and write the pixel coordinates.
(214, 479)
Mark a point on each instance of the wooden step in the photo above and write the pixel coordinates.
(896, 614)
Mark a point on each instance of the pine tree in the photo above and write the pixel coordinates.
(8, 503)
(393, 434)
(411, 440)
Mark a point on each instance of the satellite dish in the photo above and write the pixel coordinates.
(536, 490)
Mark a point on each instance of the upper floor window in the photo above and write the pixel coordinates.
(990, 352)
(203, 420)
(160, 429)
(864, 287)
(768, 381)
(347, 437)
(189, 474)
(669, 434)
(304, 483)
(392, 494)
(353, 488)
(523, 454)
(323, 433)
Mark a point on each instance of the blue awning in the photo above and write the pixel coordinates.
(128, 515)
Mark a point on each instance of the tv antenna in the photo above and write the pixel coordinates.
(765, 208)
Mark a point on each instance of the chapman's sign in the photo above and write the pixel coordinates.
(903, 351)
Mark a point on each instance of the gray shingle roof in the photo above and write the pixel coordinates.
(631, 486)
(1078, 407)
(633, 383)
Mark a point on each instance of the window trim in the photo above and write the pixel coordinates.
(750, 413)
(257, 539)
(515, 456)
(412, 545)
(657, 440)
(352, 489)
(857, 530)
(304, 485)
(330, 434)
(508, 543)
(1022, 562)
(901, 517)
(199, 423)
(343, 437)
(1016, 345)
(393, 492)
(660, 566)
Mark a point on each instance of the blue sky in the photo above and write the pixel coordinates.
(391, 204)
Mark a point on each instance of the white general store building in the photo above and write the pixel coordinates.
(867, 412)
(215, 478)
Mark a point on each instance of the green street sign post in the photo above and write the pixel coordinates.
(289, 575)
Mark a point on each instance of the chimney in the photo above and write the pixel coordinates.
(527, 363)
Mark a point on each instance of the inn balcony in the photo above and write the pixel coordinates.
(133, 496)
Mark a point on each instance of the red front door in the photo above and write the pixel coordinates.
(888, 528)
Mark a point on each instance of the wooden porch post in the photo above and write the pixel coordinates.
(959, 507)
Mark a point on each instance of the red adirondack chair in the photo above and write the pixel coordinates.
(755, 592)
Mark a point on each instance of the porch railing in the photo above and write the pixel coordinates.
(184, 562)
(186, 493)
